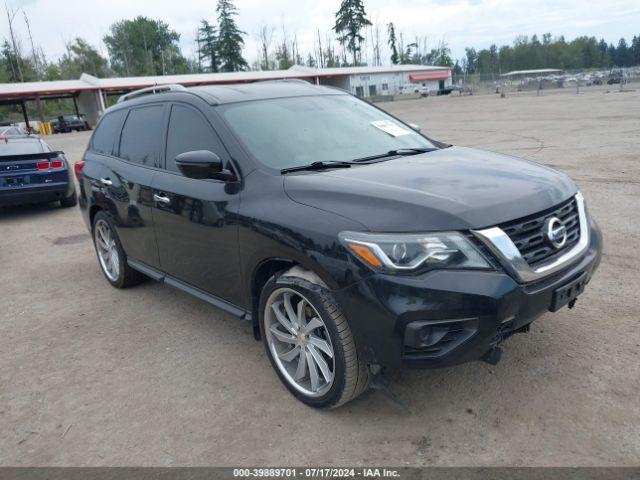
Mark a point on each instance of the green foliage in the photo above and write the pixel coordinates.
(351, 18)
(230, 41)
(145, 47)
(80, 58)
(208, 46)
(284, 57)
(527, 54)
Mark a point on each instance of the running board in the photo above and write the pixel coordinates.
(161, 277)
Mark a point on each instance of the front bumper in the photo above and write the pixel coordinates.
(458, 315)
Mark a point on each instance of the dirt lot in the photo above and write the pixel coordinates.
(95, 376)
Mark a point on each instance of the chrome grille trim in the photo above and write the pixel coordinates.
(510, 258)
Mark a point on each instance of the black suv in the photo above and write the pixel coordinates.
(351, 241)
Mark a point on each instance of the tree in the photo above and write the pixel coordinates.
(441, 55)
(81, 58)
(208, 45)
(392, 41)
(350, 20)
(472, 60)
(230, 41)
(265, 37)
(285, 54)
(145, 47)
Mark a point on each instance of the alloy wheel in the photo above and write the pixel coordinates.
(107, 250)
(299, 342)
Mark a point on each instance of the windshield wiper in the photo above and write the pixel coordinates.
(317, 166)
(400, 152)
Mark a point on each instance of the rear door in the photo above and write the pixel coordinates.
(195, 220)
(127, 180)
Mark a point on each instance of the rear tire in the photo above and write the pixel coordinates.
(70, 201)
(331, 342)
(111, 256)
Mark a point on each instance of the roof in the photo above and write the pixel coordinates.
(89, 82)
(540, 71)
(243, 92)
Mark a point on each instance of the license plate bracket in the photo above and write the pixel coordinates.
(568, 292)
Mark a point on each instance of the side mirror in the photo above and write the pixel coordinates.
(202, 164)
(415, 127)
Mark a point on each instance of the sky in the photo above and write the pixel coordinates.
(460, 23)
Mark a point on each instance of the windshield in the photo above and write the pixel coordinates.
(290, 132)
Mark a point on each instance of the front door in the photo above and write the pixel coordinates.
(195, 224)
(126, 181)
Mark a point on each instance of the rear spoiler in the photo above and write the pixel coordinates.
(30, 156)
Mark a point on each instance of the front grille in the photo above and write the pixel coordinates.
(528, 236)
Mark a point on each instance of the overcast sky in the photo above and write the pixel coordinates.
(461, 23)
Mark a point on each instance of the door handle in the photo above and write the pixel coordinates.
(106, 181)
(161, 199)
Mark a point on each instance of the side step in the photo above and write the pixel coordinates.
(161, 277)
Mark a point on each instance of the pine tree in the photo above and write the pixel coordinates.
(230, 40)
(393, 43)
(208, 45)
(350, 20)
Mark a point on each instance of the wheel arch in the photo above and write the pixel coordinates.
(93, 211)
(272, 266)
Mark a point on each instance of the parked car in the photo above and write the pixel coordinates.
(31, 172)
(615, 77)
(69, 123)
(351, 241)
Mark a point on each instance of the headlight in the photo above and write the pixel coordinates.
(395, 253)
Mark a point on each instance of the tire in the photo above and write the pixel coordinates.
(70, 201)
(123, 276)
(350, 374)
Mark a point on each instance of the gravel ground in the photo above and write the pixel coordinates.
(150, 376)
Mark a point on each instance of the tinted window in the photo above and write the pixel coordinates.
(106, 132)
(142, 135)
(189, 131)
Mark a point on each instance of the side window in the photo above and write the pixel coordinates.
(142, 135)
(106, 132)
(189, 131)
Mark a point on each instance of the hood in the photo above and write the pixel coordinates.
(454, 188)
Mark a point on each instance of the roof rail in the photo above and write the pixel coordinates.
(152, 90)
(292, 80)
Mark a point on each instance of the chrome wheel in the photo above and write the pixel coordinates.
(299, 342)
(107, 250)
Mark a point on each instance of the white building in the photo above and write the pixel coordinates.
(90, 94)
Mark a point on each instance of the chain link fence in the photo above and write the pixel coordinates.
(472, 84)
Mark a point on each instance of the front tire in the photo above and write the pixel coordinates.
(309, 343)
(111, 256)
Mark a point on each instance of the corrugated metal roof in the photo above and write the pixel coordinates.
(88, 82)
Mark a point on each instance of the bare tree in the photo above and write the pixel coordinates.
(320, 53)
(16, 51)
(36, 62)
(265, 37)
(376, 45)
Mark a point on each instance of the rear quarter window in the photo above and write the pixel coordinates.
(106, 132)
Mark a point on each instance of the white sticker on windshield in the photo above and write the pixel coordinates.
(391, 128)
